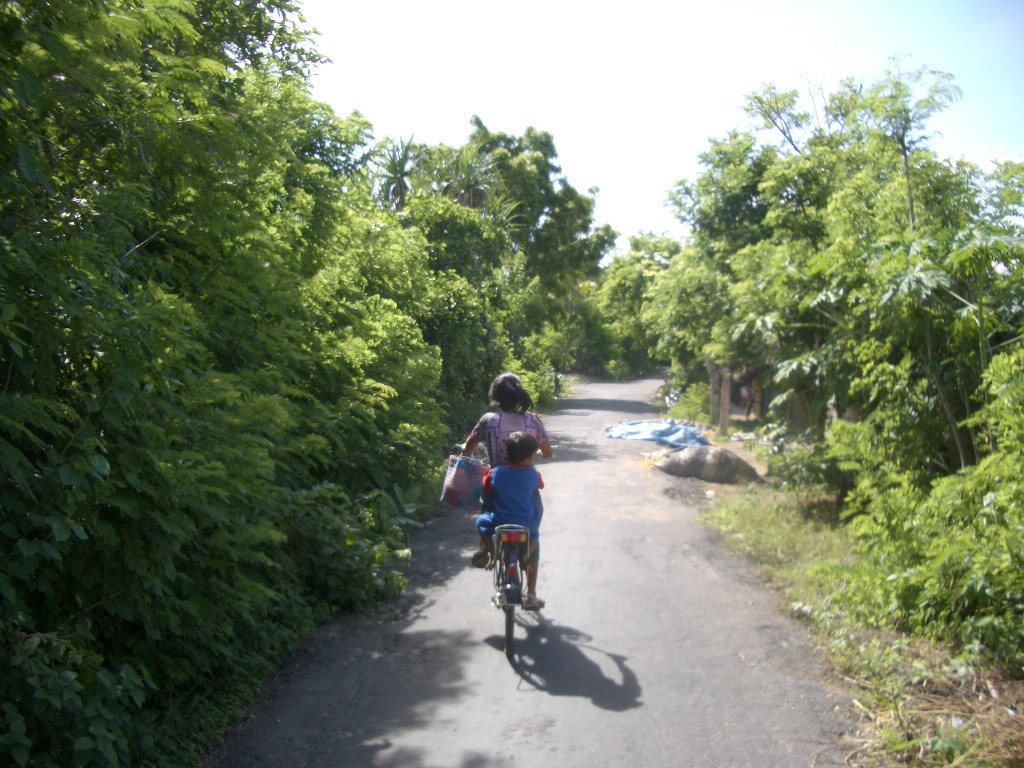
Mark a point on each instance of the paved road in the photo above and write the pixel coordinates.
(656, 647)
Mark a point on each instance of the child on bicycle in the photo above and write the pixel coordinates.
(516, 501)
(512, 412)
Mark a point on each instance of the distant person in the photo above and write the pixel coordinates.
(745, 401)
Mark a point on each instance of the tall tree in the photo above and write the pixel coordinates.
(620, 297)
(396, 167)
(901, 114)
(727, 213)
(554, 225)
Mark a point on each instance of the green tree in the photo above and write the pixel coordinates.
(620, 297)
(396, 168)
(726, 213)
(876, 286)
(465, 175)
(681, 309)
(901, 115)
(553, 223)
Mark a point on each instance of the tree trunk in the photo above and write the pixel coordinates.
(715, 381)
(935, 374)
(756, 399)
(910, 190)
(725, 411)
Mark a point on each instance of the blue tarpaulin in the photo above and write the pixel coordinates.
(665, 432)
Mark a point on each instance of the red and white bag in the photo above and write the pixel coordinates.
(464, 482)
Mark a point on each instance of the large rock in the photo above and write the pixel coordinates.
(715, 465)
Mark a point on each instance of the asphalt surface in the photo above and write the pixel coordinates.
(656, 647)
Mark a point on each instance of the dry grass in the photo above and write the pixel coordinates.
(974, 721)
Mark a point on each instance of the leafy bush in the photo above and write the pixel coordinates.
(799, 467)
(207, 380)
(348, 554)
(64, 706)
(618, 370)
(694, 404)
(967, 581)
(945, 560)
(954, 554)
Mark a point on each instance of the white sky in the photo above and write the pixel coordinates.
(632, 91)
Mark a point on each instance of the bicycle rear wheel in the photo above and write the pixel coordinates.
(510, 628)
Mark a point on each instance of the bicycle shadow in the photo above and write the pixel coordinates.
(559, 661)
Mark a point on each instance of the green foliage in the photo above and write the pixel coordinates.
(724, 206)
(207, 379)
(950, 552)
(693, 403)
(681, 307)
(582, 343)
(233, 336)
(348, 554)
(539, 383)
(46, 674)
(893, 437)
(226, 363)
(964, 581)
(800, 468)
(552, 223)
(550, 349)
(873, 290)
(507, 242)
(458, 317)
(620, 297)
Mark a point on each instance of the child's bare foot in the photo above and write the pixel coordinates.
(481, 559)
(532, 603)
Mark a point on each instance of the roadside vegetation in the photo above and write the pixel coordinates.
(238, 333)
(921, 701)
(869, 294)
(923, 696)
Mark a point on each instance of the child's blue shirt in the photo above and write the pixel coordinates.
(515, 490)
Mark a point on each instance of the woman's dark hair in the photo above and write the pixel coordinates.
(520, 446)
(508, 395)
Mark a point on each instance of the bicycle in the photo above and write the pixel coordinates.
(511, 549)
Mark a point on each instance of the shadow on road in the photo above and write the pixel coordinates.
(442, 548)
(570, 450)
(408, 758)
(584, 407)
(368, 688)
(559, 661)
